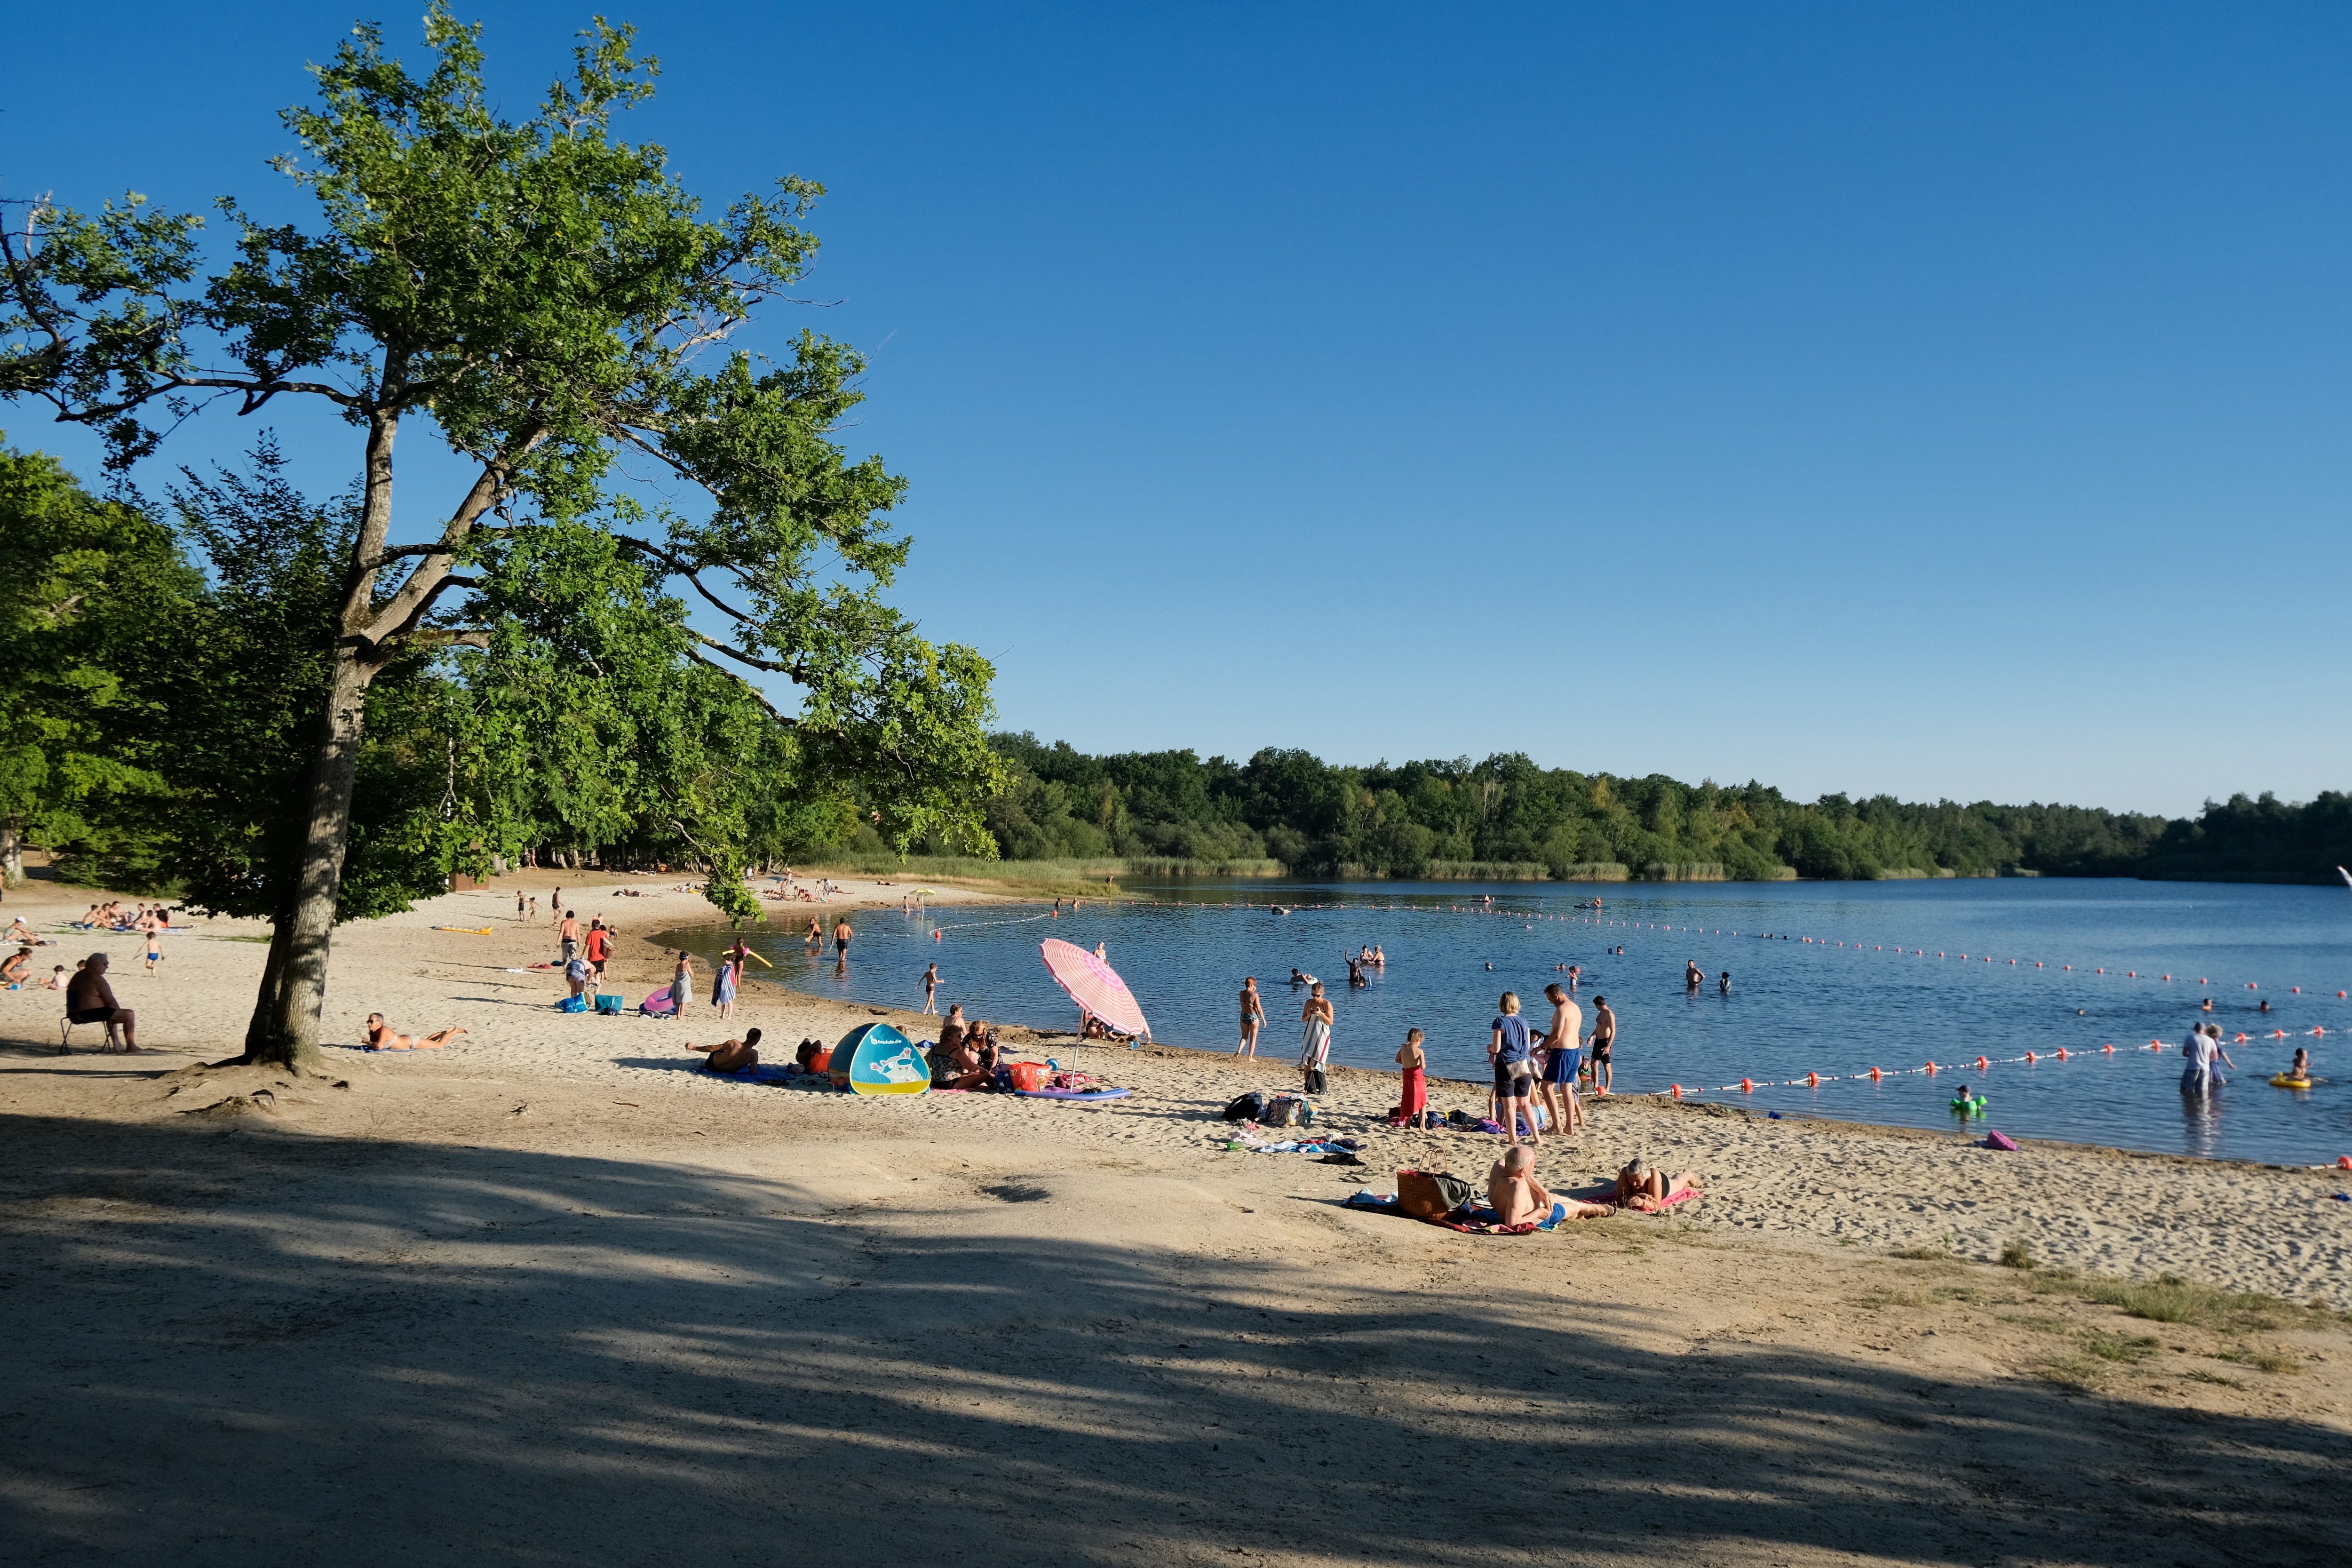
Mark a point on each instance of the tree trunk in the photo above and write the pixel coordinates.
(273, 980)
(292, 1039)
(12, 851)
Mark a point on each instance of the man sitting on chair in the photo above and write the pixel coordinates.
(90, 1000)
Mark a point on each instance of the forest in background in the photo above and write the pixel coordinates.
(1506, 818)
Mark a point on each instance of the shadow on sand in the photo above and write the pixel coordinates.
(233, 1344)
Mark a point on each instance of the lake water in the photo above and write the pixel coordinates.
(1850, 975)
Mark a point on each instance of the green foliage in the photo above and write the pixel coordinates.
(91, 595)
(549, 295)
(1507, 817)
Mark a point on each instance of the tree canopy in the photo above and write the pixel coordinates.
(549, 301)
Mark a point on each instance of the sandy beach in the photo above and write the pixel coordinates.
(554, 1292)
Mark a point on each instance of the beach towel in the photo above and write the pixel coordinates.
(1308, 1146)
(1470, 1220)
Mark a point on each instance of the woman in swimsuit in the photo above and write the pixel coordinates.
(1640, 1187)
(380, 1037)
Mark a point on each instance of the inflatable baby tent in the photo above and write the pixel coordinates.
(874, 1059)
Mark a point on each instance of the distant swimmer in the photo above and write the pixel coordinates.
(1298, 977)
(1723, 986)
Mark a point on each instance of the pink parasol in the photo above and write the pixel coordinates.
(1094, 985)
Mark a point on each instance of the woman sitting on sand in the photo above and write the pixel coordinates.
(732, 1055)
(380, 1037)
(1640, 1187)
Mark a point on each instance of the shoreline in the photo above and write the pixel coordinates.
(1807, 1182)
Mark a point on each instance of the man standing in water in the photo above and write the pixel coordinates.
(1693, 975)
(1604, 1041)
(1559, 1088)
(1252, 1018)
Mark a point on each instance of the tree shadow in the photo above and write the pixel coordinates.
(242, 1341)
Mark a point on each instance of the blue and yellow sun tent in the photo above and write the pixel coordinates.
(874, 1059)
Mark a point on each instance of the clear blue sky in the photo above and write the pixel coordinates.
(1944, 401)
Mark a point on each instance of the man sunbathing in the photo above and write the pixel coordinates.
(1517, 1198)
(1640, 1187)
(380, 1037)
(733, 1055)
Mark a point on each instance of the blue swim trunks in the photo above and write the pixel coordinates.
(1563, 1066)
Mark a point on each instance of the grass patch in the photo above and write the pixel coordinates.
(2263, 1360)
(2169, 1298)
(2130, 1349)
(240, 939)
(1934, 1254)
(2046, 1325)
(2017, 1255)
(2199, 1375)
(2088, 1373)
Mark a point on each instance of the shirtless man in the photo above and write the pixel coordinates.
(1515, 1195)
(733, 1055)
(1693, 975)
(1563, 1040)
(841, 935)
(90, 1000)
(1604, 1044)
(1252, 1018)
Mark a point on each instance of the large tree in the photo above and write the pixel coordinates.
(549, 300)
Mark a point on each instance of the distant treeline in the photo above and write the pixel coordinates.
(1506, 815)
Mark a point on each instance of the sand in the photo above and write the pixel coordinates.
(553, 1293)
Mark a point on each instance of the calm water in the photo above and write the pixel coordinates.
(1796, 1007)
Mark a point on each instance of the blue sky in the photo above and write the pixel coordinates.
(1947, 401)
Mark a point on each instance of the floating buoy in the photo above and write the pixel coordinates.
(1813, 1080)
(1873, 1075)
(1929, 1070)
(1747, 1086)
(2062, 1053)
(1982, 1064)
(2031, 1057)
(2110, 1049)
(1678, 1091)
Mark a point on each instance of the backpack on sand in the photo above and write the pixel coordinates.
(1250, 1106)
(1288, 1110)
(1430, 1195)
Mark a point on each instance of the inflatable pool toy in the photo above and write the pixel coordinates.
(469, 931)
(1969, 1105)
(2283, 1081)
(874, 1059)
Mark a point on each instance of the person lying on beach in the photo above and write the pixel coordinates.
(90, 1000)
(1640, 1187)
(18, 931)
(733, 1055)
(381, 1037)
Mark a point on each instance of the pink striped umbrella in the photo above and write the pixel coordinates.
(1094, 985)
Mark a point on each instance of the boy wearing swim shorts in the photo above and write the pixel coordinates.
(1605, 1042)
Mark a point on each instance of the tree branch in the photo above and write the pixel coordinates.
(798, 672)
(683, 570)
(753, 692)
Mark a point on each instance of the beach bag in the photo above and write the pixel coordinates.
(572, 1005)
(1315, 1080)
(1284, 1110)
(1426, 1195)
(1250, 1106)
(608, 1004)
(1026, 1077)
(1997, 1140)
